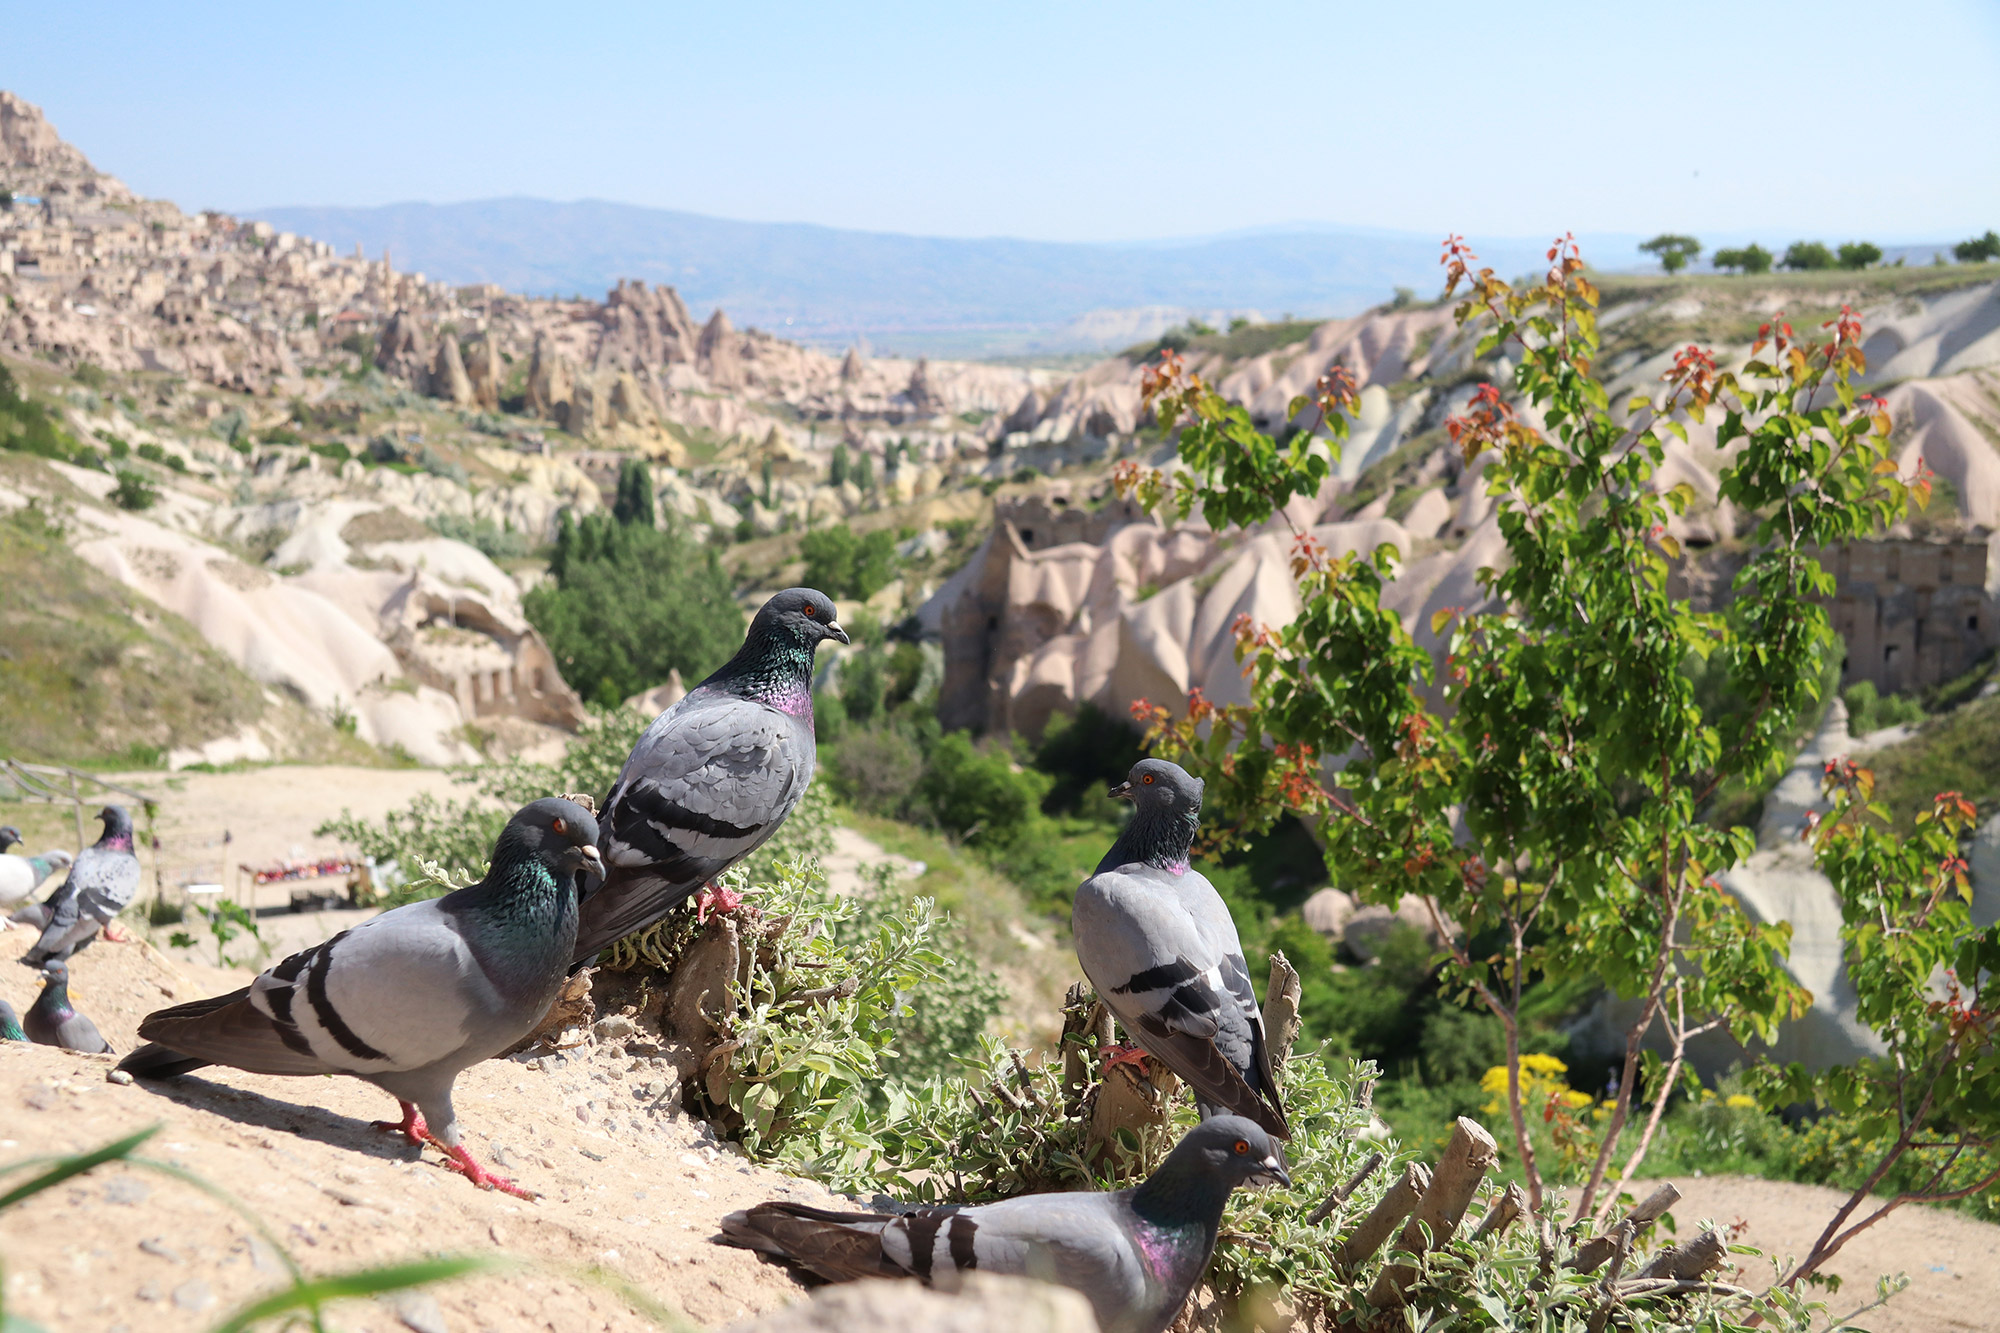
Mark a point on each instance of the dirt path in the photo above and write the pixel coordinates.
(1953, 1261)
(635, 1188)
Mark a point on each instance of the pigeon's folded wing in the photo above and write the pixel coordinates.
(698, 794)
(347, 1005)
(1073, 1240)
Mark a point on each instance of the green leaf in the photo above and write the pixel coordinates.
(362, 1282)
(67, 1167)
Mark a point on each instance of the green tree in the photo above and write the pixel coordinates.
(1551, 806)
(1673, 251)
(864, 472)
(1979, 250)
(1859, 254)
(627, 603)
(134, 491)
(836, 471)
(1807, 257)
(634, 499)
(1752, 258)
(842, 563)
(979, 792)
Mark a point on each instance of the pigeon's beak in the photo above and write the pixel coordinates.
(593, 860)
(1121, 792)
(834, 631)
(1271, 1171)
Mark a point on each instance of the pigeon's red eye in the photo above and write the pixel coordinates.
(811, 610)
(1241, 1148)
(1148, 779)
(561, 827)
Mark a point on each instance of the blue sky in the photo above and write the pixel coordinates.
(1069, 121)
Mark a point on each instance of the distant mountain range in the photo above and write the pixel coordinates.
(908, 294)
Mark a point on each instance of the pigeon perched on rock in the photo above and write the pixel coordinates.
(409, 999)
(53, 1021)
(20, 876)
(1135, 1254)
(715, 775)
(1157, 942)
(10, 1024)
(101, 882)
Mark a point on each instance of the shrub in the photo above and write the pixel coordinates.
(483, 534)
(1869, 711)
(1752, 258)
(134, 491)
(978, 792)
(1085, 753)
(876, 769)
(628, 604)
(841, 564)
(1807, 257)
(634, 503)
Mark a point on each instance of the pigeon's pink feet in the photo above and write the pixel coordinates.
(459, 1160)
(113, 935)
(1123, 1055)
(718, 899)
(411, 1126)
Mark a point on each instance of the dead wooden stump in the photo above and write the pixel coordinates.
(1592, 1254)
(1441, 1208)
(1392, 1208)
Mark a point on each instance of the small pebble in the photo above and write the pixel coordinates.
(418, 1311)
(159, 1249)
(126, 1190)
(118, 1076)
(193, 1296)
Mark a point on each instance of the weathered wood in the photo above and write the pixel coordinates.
(1501, 1215)
(1400, 1201)
(1341, 1194)
(1590, 1256)
(1281, 1012)
(1438, 1213)
(1689, 1260)
(1080, 1018)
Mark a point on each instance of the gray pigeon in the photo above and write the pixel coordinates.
(1136, 1254)
(714, 776)
(1157, 942)
(52, 1021)
(9, 835)
(101, 882)
(408, 999)
(20, 876)
(10, 1024)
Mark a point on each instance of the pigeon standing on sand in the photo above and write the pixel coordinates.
(409, 999)
(1136, 1254)
(10, 1024)
(715, 775)
(101, 882)
(1157, 942)
(53, 1021)
(20, 876)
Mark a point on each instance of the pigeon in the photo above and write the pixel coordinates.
(20, 876)
(1157, 942)
(52, 1021)
(9, 835)
(714, 776)
(10, 1024)
(1135, 1254)
(409, 999)
(101, 881)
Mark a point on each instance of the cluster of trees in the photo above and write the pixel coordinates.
(627, 602)
(1675, 252)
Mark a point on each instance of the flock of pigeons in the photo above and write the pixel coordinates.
(412, 997)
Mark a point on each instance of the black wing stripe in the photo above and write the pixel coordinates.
(964, 1256)
(1164, 977)
(922, 1230)
(650, 804)
(329, 1017)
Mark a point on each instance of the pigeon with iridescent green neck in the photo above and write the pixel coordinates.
(53, 1021)
(409, 999)
(10, 1024)
(1135, 1254)
(714, 776)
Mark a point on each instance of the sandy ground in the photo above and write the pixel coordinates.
(627, 1185)
(1952, 1261)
